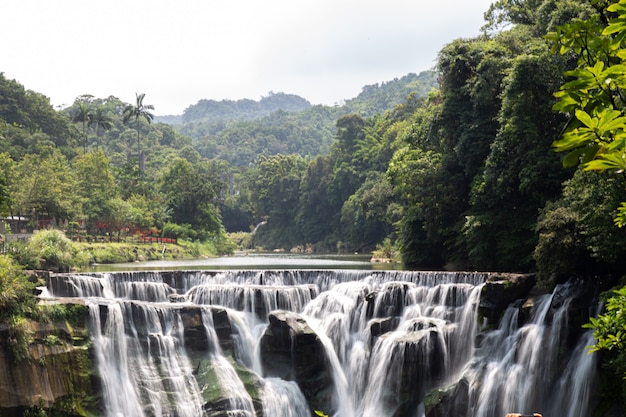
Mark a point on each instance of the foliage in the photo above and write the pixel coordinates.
(136, 112)
(19, 251)
(15, 289)
(19, 337)
(191, 190)
(385, 251)
(378, 98)
(74, 314)
(57, 250)
(44, 185)
(276, 184)
(609, 330)
(305, 130)
(243, 240)
(28, 112)
(560, 248)
(179, 231)
(95, 185)
(610, 327)
(595, 137)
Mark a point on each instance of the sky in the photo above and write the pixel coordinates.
(178, 52)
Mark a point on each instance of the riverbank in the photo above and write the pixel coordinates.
(105, 253)
(52, 250)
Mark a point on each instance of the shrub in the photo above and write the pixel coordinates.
(20, 337)
(15, 289)
(20, 252)
(179, 231)
(57, 250)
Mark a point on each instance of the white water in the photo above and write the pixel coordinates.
(390, 338)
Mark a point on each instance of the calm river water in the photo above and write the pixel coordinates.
(254, 261)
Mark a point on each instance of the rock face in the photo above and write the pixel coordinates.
(55, 373)
(502, 290)
(291, 350)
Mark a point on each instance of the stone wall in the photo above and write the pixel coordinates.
(53, 373)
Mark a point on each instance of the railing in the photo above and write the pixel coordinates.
(13, 237)
(126, 239)
(156, 239)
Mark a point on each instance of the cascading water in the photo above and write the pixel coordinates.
(347, 343)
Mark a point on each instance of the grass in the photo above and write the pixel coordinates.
(105, 253)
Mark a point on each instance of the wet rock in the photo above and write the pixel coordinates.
(291, 350)
(581, 299)
(378, 327)
(195, 331)
(450, 401)
(500, 291)
(56, 375)
(422, 365)
(415, 362)
(390, 299)
(220, 402)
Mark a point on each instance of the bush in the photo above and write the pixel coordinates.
(609, 330)
(15, 289)
(20, 252)
(57, 250)
(179, 231)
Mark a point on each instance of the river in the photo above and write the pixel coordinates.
(248, 261)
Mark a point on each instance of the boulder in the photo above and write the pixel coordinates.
(418, 364)
(390, 300)
(195, 332)
(291, 350)
(449, 401)
(500, 291)
(218, 402)
(378, 327)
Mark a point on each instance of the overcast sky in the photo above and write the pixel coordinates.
(180, 51)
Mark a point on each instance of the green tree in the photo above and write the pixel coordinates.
(82, 114)
(46, 187)
(95, 185)
(416, 176)
(520, 173)
(27, 112)
(101, 120)
(137, 112)
(315, 210)
(276, 184)
(191, 192)
(365, 216)
(6, 167)
(609, 330)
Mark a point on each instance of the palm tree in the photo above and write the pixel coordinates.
(139, 110)
(101, 120)
(83, 115)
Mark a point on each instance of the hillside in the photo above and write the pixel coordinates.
(240, 131)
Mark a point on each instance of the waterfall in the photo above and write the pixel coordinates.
(346, 343)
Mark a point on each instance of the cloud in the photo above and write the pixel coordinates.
(180, 52)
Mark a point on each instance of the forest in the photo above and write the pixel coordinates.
(450, 168)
